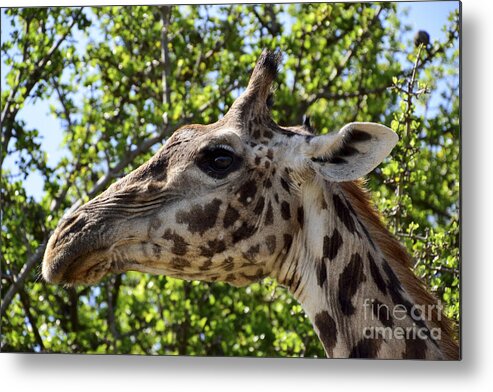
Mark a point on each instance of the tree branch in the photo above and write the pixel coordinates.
(407, 120)
(273, 27)
(73, 309)
(26, 304)
(19, 282)
(165, 19)
(420, 203)
(113, 293)
(8, 115)
(338, 69)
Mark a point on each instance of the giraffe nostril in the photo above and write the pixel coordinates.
(71, 227)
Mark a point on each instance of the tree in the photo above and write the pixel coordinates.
(110, 74)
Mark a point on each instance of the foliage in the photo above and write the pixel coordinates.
(111, 72)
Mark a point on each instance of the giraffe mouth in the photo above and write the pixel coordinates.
(88, 258)
(88, 268)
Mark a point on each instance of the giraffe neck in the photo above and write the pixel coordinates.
(353, 289)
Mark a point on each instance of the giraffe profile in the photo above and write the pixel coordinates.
(243, 199)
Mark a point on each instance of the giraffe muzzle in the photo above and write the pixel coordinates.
(77, 252)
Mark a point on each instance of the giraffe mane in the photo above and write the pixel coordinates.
(399, 259)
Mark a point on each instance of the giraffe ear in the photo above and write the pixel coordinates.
(352, 152)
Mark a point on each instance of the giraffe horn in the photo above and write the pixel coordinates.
(264, 73)
(256, 95)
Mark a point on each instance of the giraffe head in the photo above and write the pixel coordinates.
(216, 202)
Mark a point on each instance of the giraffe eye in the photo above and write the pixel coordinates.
(218, 162)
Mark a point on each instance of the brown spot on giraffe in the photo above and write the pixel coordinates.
(288, 241)
(244, 232)
(300, 215)
(259, 207)
(200, 218)
(270, 242)
(259, 274)
(230, 278)
(285, 210)
(156, 250)
(252, 252)
(228, 264)
(322, 273)
(206, 266)
(285, 185)
(366, 348)
(376, 276)
(247, 192)
(213, 246)
(180, 246)
(269, 215)
(350, 280)
(180, 263)
(268, 134)
(327, 330)
(343, 213)
(332, 245)
(231, 216)
(415, 349)
(382, 312)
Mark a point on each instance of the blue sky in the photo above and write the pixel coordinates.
(429, 16)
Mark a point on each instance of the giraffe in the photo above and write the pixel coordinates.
(245, 198)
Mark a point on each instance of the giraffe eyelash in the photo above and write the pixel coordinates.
(223, 147)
